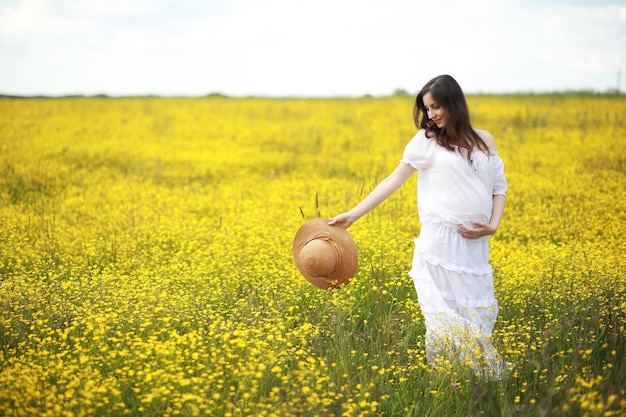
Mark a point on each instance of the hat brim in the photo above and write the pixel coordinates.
(325, 255)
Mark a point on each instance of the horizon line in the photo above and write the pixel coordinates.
(396, 93)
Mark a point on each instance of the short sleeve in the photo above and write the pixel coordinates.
(500, 185)
(419, 151)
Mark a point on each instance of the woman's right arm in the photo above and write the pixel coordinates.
(379, 194)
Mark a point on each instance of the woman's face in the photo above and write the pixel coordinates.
(435, 111)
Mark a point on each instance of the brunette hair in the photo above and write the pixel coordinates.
(458, 130)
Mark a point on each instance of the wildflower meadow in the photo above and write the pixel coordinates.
(146, 263)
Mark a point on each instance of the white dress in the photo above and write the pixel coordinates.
(452, 275)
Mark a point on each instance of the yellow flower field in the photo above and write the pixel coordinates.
(146, 265)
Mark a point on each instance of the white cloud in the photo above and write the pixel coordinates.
(95, 8)
(33, 18)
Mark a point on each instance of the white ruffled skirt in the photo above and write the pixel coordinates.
(454, 285)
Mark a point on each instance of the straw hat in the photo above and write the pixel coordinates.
(325, 255)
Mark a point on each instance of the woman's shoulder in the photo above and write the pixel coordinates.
(424, 139)
(487, 138)
(420, 151)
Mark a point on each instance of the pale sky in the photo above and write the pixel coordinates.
(308, 48)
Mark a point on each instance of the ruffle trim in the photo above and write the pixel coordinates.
(484, 269)
(486, 304)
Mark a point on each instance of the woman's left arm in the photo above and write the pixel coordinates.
(481, 229)
(497, 211)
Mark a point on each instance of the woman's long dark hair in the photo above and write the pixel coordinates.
(458, 130)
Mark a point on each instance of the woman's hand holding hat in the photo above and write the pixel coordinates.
(343, 220)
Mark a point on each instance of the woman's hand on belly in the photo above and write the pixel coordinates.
(478, 229)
